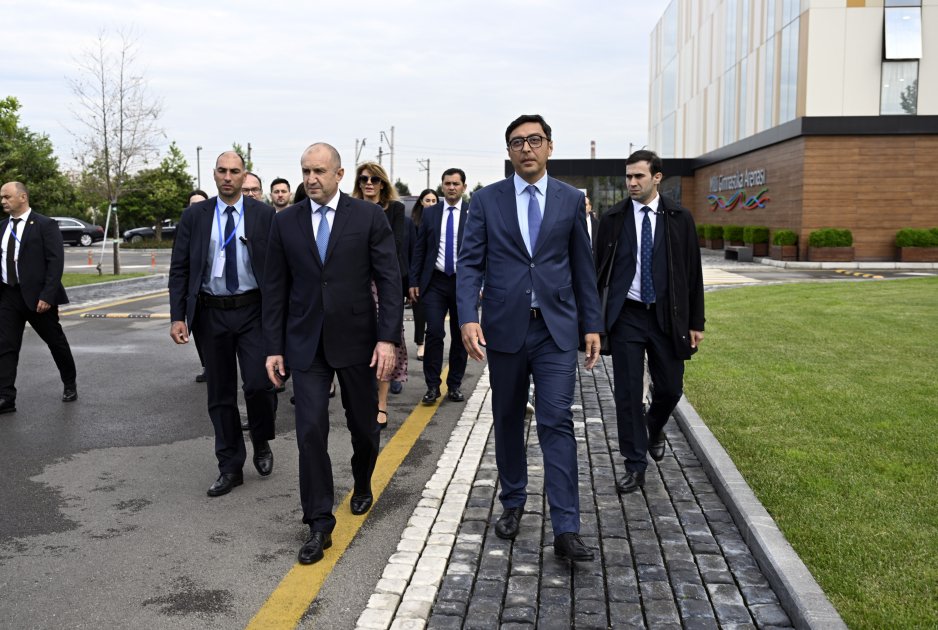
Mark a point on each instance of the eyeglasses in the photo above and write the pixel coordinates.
(364, 179)
(535, 142)
(250, 191)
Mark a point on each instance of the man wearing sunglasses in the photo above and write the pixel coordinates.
(526, 237)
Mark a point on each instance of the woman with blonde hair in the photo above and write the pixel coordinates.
(373, 184)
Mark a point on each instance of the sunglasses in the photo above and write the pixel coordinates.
(364, 179)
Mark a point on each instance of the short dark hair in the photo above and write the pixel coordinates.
(279, 180)
(644, 155)
(258, 178)
(527, 118)
(454, 171)
(194, 193)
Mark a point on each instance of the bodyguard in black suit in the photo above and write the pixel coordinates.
(656, 306)
(433, 282)
(319, 318)
(215, 280)
(32, 258)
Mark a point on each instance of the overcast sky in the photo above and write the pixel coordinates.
(448, 76)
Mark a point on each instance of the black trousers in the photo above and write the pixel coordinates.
(420, 322)
(360, 400)
(440, 298)
(233, 337)
(635, 333)
(13, 317)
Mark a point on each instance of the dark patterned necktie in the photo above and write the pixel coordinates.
(449, 266)
(12, 278)
(231, 253)
(534, 216)
(648, 284)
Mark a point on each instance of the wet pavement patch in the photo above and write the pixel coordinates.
(190, 600)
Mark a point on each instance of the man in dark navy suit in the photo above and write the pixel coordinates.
(32, 259)
(433, 282)
(526, 238)
(215, 279)
(655, 307)
(319, 318)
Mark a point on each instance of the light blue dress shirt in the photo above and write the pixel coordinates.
(246, 280)
(522, 198)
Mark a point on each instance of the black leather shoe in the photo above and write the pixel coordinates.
(570, 547)
(507, 525)
(430, 397)
(263, 457)
(631, 482)
(200, 377)
(312, 549)
(225, 483)
(361, 503)
(656, 446)
(455, 395)
(70, 393)
(7, 405)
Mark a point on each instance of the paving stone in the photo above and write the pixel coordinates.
(770, 615)
(519, 614)
(661, 612)
(690, 608)
(488, 589)
(457, 608)
(758, 595)
(623, 614)
(652, 573)
(515, 626)
(553, 620)
(444, 622)
(656, 590)
(700, 623)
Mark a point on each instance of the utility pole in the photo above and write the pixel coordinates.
(358, 150)
(390, 142)
(425, 168)
(198, 167)
(380, 153)
(249, 153)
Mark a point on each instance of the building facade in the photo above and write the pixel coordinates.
(800, 114)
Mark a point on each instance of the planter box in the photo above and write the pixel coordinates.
(701, 241)
(759, 249)
(737, 244)
(784, 252)
(714, 244)
(830, 254)
(918, 254)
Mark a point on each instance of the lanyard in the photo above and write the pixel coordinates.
(13, 232)
(221, 239)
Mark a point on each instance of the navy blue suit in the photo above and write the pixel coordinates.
(518, 343)
(438, 296)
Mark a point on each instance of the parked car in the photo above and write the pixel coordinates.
(138, 234)
(78, 232)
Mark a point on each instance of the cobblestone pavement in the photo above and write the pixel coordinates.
(669, 556)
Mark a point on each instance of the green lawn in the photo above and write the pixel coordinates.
(77, 279)
(826, 397)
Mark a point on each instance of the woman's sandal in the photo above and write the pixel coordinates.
(384, 424)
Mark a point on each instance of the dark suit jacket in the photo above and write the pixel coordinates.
(41, 261)
(677, 272)
(190, 252)
(307, 299)
(560, 271)
(427, 247)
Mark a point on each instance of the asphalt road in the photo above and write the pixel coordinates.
(104, 520)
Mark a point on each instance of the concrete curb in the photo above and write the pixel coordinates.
(799, 593)
(87, 295)
(877, 266)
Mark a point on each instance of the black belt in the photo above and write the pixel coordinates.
(227, 302)
(536, 313)
(637, 304)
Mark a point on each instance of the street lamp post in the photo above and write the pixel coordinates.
(198, 167)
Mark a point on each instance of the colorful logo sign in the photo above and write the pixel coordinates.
(751, 203)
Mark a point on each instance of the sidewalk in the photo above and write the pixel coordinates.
(670, 556)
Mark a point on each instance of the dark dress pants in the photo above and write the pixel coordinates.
(420, 323)
(554, 372)
(360, 399)
(13, 317)
(635, 332)
(440, 298)
(233, 337)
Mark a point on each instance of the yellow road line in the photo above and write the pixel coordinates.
(115, 303)
(293, 596)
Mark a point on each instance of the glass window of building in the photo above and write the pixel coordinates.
(729, 41)
(768, 85)
(769, 18)
(790, 10)
(903, 33)
(788, 75)
(667, 136)
(743, 98)
(744, 28)
(729, 107)
(669, 34)
(669, 88)
(899, 94)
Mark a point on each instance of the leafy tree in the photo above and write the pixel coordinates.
(479, 186)
(28, 157)
(245, 155)
(909, 98)
(155, 194)
(402, 188)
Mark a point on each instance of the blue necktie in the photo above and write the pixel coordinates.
(322, 236)
(648, 284)
(449, 266)
(534, 216)
(231, 253)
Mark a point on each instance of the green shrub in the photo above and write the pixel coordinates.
(702, 230)
(149, 243)
(733, 232)
(830, 237)
(713, 232)
(911, 237)
(784, 237)
(755, 234)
